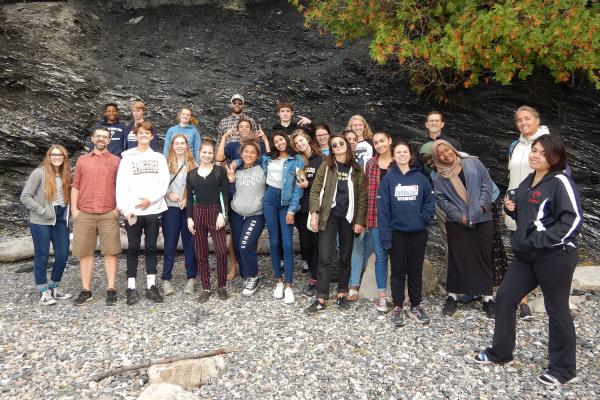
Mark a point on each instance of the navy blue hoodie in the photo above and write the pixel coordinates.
(405, 203)
(117, 142)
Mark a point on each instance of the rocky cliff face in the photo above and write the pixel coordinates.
(61, 61)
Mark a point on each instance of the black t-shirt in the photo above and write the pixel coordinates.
(382, 172)
(311, 170)
(341, 197)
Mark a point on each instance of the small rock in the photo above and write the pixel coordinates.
(187, 373)
(166, 391)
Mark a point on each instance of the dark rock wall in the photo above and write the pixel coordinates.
(60, 62)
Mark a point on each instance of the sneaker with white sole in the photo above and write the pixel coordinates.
(190, 286)
(288, 296)
(278, 292)
(250, 286)
(381, 305)
(550, 380)
(418, 314)
(46, 298)
(167, 288)
(58, 295)
(525, 312)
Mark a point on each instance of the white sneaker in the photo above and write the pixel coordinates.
(288, 296)
(46, 298)
(190, 286)
(167, 288)
(58, 295)
(278, 292)
(381, 305)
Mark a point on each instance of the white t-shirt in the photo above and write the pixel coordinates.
(275, 173)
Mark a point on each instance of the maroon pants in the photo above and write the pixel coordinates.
(205, 220)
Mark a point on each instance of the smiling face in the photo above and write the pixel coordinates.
(279, 143)
(537, 159)
(180, 146)
(245, 129)
(302, 144)
(249, 155)
(434, 125)
(100, 138)
(357, 126)
(236, 107)
(185, 116)
(111, 113)
(445, 154)
(144, 136)
(527, 123)
(402, 155)
(322, 137)
(57, 158)
(206, 153)
(352, 138)
(381, 143)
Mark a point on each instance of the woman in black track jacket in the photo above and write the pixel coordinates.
(547, 209)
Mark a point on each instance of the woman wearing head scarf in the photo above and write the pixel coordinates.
(463, 189)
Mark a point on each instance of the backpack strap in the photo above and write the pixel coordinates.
(511, 148)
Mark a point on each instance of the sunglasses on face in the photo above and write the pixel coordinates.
(237, 103)
(341, 143)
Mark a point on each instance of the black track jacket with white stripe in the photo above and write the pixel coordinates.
(548, 216)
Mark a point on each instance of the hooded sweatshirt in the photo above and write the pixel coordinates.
(142, 175)
(193, 137)
(249, 189)
(518, 165)
(405, 203)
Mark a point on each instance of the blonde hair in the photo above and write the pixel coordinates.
(64, 172)
(367, 134)
(532, 110)
(193, 119)
(138, 105)
(188, 160)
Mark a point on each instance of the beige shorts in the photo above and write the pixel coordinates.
(87, 227)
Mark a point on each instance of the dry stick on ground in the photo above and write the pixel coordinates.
(120, 370)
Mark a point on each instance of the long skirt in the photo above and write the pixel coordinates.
(470, 258)
(499, 258)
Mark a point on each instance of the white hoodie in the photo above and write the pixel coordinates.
(142, 175)
(518, 166)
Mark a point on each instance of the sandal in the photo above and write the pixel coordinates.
(352, 295)
(550, 380)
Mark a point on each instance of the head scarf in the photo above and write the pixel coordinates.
(450, 171)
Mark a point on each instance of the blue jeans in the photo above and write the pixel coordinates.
(275, 215)
(245, 232)
(174, 223)
(361, 251)
(43, 235)
(381, 259)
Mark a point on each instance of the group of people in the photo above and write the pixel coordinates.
(357, 191)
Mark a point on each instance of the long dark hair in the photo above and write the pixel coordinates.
(554, 151)
(350, 158)
(274, 152)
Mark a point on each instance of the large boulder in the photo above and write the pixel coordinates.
(586, 279)
(166, 391)
(368, 285)
(188, 374)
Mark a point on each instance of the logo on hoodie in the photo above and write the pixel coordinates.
(145, 167)
(406, 193)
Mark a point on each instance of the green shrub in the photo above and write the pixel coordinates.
(443, 44)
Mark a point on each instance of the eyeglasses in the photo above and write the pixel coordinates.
(57, 155)
(341, 143)
(99, 137)
(237, 102)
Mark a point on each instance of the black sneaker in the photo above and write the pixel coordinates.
(418, 314)
(525, 312)
(222, 293)
(343, 303)
(204, 295)
(315, 307)
(111, 297)
(450, 307)
(397, 317)
(152, 294)
(84, 297)
(133, 296)
(309, 290)
(489, 307)
(250, 286)
(469, 298)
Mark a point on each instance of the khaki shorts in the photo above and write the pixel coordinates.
(87, 227)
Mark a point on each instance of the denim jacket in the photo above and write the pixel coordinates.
(290, 192)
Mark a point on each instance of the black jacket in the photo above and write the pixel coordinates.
(548, 216)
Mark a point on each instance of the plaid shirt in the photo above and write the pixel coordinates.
(231, 121)
(373, 177)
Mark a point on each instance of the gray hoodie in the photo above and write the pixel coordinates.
(41, 212)
(250, 185)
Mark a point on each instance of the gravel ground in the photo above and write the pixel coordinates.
(51, 352)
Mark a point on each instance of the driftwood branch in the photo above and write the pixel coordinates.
(168, 360)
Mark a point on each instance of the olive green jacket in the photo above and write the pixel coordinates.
(324, 189)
